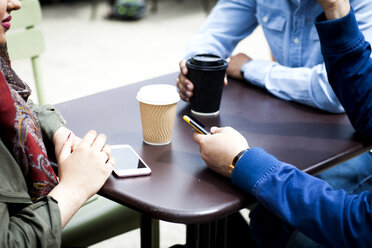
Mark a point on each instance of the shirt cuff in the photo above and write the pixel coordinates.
(256, 70)
(338, 34)
(251, 167)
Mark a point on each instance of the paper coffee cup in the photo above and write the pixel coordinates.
(207, 73)
(158, 105)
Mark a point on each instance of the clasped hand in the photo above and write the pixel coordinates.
(84, 163)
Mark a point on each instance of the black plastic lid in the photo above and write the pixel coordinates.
(207, 62)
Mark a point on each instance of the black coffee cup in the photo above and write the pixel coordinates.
(207, 73)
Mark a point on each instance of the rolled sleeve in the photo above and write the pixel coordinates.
(255, 71)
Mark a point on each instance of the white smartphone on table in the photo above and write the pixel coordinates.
(128, 163)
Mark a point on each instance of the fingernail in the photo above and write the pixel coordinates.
(68, 136)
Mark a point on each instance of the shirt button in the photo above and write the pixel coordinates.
(265, 19)
(296, 40)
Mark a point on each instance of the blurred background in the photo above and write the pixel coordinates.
(87, 51)
(84, 55)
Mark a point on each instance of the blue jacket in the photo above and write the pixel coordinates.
(349, 67)
(330, 217)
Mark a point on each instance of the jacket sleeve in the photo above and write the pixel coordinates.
(330, 217)
(349, 67)
(23, 223)
(37, 225)
(49, 119)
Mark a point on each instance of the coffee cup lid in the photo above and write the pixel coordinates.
(207, 61)
(158, 94)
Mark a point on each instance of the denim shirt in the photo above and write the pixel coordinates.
(298, 72)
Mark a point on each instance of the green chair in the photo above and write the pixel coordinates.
(26, 41)
(99, 218)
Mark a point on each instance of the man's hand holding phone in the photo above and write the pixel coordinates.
(219, 147)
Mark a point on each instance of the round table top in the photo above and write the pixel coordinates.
(181, 188)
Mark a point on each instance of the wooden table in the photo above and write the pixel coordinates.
(181, 188)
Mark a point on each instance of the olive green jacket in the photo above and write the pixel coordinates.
(24, 223)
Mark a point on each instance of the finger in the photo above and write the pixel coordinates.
(66, 149)
(99, 142)
(109, 166)
(107, 149)
(225, 80)
(188, 84)
(183, 67)
(197, 137)
(185, 81)
(182, 89)
(108, 157)
(181, 84)
(76, 142)
(67, 133)
(182, 92)
(111, 162)
(184, 98)
(89, 137)
(182, 63)
(184, 85)
(213, 129)
(103, 157)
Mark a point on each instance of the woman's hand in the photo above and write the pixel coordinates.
(60, 138)
(335, 9)
(82, 172)
(89, 162)
(219, 148)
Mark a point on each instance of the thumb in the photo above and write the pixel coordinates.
(216, 130)
(197, 137)
(183, 67)
(66, 149)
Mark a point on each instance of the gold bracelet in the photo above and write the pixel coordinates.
(236, 159)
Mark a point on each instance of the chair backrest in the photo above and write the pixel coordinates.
(26, 41)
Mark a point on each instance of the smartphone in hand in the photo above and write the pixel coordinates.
(128, 163)
(195, 124)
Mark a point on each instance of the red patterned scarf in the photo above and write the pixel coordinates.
(20, 131)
